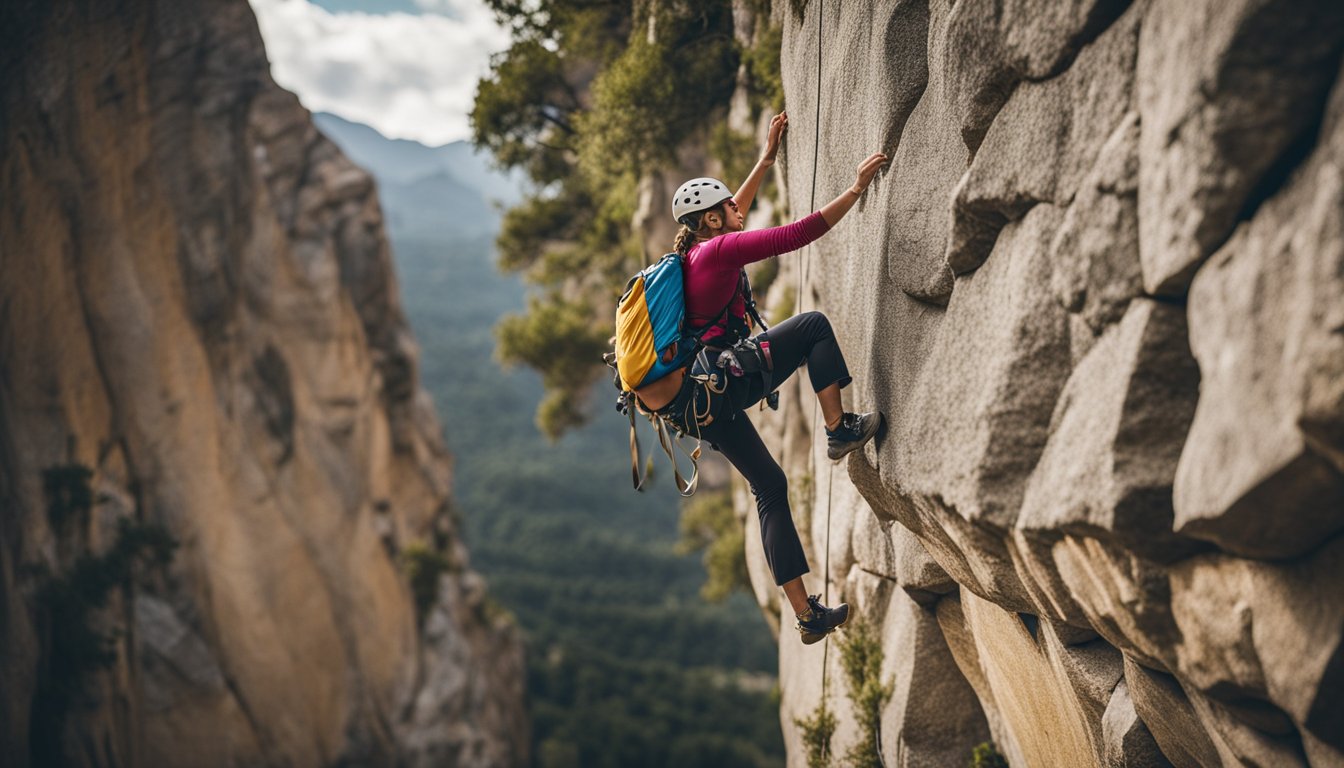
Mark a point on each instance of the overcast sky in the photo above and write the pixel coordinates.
(406, 67)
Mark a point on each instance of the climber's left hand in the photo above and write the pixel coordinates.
(778, 125)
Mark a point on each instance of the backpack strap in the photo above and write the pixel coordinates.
(750, 301)
(699, 335)
(684, 487)
(635, 458)
(669, 443)
(744, 290)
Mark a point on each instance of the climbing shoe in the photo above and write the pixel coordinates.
(855, 429)
(819, 621)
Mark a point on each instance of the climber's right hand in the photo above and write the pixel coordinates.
(867, 170)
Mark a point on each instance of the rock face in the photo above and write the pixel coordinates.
(1099, 295)
(197, 306)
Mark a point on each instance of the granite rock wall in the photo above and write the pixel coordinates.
(1099, 295)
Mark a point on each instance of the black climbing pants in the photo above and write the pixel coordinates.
(805, 338)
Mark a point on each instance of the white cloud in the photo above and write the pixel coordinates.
(409, 76)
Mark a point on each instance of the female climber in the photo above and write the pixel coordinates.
(715, 249)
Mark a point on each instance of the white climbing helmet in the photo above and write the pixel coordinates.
(698, 195)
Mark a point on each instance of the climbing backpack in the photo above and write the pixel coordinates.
(653, 339)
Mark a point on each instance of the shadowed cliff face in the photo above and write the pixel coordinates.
(1098, 296)
(197, 304)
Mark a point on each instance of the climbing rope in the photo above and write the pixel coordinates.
(803, 269)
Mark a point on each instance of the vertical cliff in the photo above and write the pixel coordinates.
(1099, 295)
(200, 338)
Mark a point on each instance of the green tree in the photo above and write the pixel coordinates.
(586, 101)
(709, 525)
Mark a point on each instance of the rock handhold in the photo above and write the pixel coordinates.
(994, 44)
(1096, 252)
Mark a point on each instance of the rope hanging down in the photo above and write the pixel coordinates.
(803, 269)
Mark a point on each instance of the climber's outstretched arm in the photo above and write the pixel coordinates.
(835, 210)
(747, 192)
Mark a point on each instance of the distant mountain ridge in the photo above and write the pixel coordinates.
(427, 191)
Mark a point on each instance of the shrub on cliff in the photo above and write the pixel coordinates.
(77, 635)
(986, 755)
(423, 566)
(861, 659)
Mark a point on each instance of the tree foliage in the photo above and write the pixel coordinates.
(556, 337)
(817, 731)
(591, 96)
(523, 115)
(861, 659)
(765, 83)
(861, 662)
(986, 755)
(709, 525)
(423, 564)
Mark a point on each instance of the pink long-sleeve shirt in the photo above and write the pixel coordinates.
(712, 267)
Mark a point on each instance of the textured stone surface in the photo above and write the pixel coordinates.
(1135, 490)
(1160, 703)
(197, 303)
(1126, 741)
(985, 394)
(915, 571)
(996, 43)
(947, 538)
(1261, 637)
(928, 157)
(1124, 597)
(1225, 89)
(1267, 326)
(1035, 700)
(1043, 142)
(1117, 434)
(1096, 251)
(933, 717)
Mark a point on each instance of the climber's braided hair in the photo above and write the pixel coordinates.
(685, 238)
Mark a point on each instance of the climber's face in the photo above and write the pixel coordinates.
(732, 217)
(724, 218)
